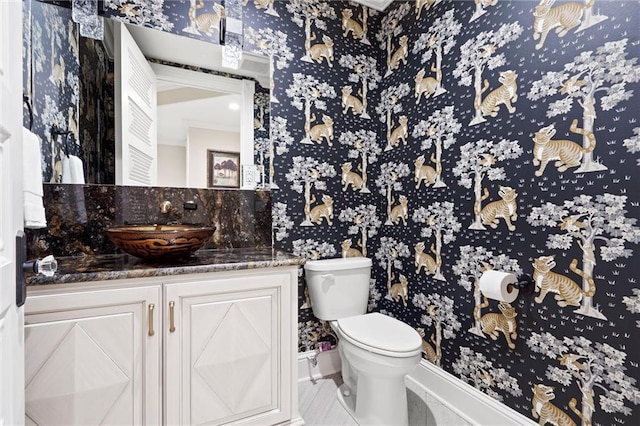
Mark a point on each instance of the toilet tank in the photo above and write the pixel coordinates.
(338, 288)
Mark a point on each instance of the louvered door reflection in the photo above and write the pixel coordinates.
(136, 112)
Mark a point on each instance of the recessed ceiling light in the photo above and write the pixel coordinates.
(234, 106)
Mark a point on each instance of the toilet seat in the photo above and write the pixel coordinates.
(380, 334)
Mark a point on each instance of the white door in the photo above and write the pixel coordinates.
(11, 316)
(136, 112)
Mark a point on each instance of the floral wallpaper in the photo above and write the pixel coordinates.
(446, 138)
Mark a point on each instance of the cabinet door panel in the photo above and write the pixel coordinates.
(228, 349)
(89, 359)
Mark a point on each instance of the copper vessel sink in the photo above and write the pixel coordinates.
(159, 241)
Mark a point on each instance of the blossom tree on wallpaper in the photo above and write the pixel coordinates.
(363, 221)
(305, 173)
(365, 71)
(364, 144)
(439, 313)
(440, 40)
(479, 53)
(390, 104)
(438, 220)
(305, 92)
(585, 220)
(391, 26)
(606, 71)
(389, 180)
(473, 261)
(591, 365)
(633, 143)
(309, 334)
(439, 130)
(305, 13)
(477, 161)
(313, 250)
(280, 140)
(476, 369)
(390, 256)
(273, 44)
(281, 223)
(633, 303)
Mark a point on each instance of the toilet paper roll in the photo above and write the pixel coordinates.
(495, 285)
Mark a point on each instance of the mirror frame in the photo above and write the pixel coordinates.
(199, 80)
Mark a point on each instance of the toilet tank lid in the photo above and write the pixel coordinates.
(328, 265)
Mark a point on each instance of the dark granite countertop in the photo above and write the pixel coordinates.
(121, 266)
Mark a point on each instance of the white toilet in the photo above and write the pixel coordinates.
(376, 351)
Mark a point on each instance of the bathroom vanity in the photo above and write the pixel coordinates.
(212, 339)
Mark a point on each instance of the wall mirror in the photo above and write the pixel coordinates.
(203, 98)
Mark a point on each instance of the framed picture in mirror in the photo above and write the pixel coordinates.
(223, 169)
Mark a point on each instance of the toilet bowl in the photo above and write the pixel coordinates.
(376, 351)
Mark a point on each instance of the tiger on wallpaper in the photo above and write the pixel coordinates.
(400, 133)
(427, 349)
(567, 291)
(493, 322)
(400, 290)
(351, 178)
(350, 25)
(562, 17)
(351, 102)
(566, 153)
(206, 22)
(503, 209)
(347, 251)
(321, 51)
(400, 55)
(320, 131)
(427, 85)
(424, 173)
(542, 408)
(324, 210)
(400, 212)
(424, 260)
(505, 94)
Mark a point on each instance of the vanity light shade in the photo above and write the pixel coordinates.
(231, 39)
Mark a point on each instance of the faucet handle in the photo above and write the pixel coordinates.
(165, 207)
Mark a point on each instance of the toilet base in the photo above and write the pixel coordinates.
(347, 401)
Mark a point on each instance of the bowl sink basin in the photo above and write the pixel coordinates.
(159, 241)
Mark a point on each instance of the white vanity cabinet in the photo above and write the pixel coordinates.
(89, 358)
(223, 350)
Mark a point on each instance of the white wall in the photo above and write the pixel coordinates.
(172, 166)
(198, 142)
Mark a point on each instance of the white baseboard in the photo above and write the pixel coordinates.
(464, 400)
(328, 363)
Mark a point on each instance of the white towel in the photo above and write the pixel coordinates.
(66, 170)
(34, 214)
(77, 170)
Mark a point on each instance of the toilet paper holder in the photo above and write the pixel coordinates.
(525, 284)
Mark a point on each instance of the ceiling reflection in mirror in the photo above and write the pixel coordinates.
(69, 81)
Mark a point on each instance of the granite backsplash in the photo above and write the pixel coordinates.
(77, 216)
